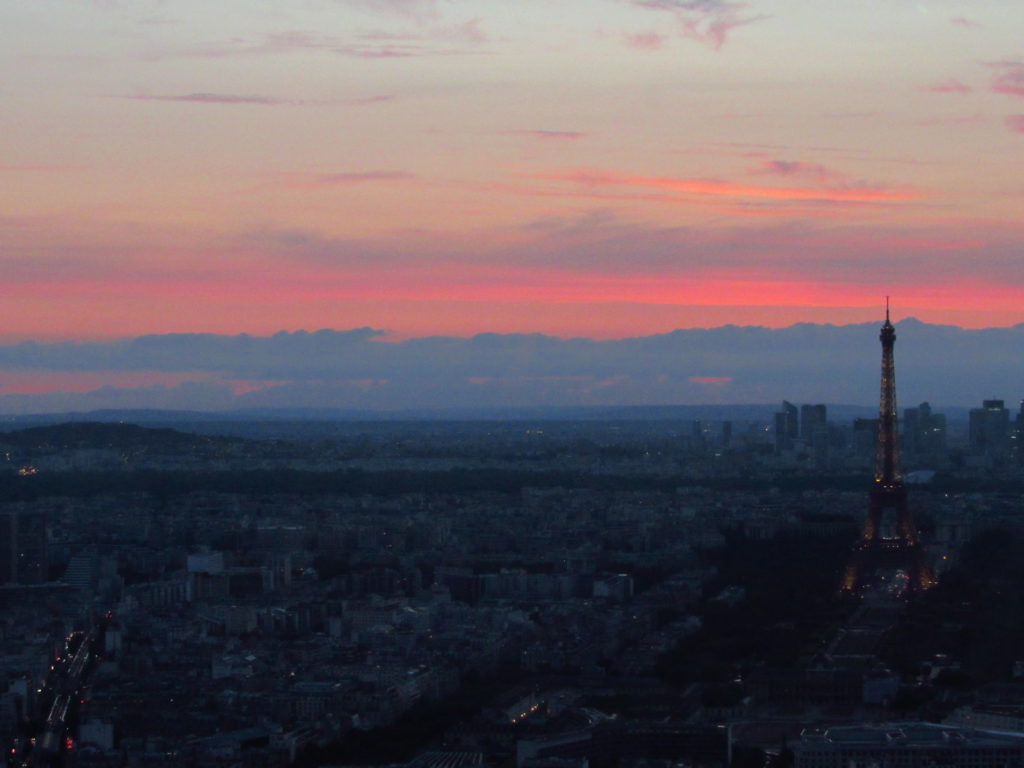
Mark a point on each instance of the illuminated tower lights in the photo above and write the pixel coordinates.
(896, 545)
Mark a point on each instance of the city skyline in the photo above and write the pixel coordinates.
(445, 167)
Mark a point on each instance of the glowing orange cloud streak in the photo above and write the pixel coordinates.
(38, 382)
(719, 188)
(722, 286)
(661, 198)
(783, 213)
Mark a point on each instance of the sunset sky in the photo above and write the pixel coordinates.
(598, 168)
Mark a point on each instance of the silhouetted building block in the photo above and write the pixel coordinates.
(616, 740)
(909, 745)
(23, 548)
(865, 436)
(924, 433)
(813, 420)
(989, 428)
(83, 571)
(1018, 433)
(786, 426)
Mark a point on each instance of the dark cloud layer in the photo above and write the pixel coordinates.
(357, 369)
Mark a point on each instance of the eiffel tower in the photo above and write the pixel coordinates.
(889, 542)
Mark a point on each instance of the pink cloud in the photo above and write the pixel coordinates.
(963, 21)
(312, 181)
(720, 188)
(784, 212)
(288, 41)
(706, 21)
(713, 32)
(962, 120)
(419, 10)
(798, 169)
(1015, 123)
(467, 32)
(37, 382)
(250, 99)
(369, 45)
(903, 243)
(329, 179)
(470, 31)
(217, 98)
(645, 41)
(387, 52)
(381, 99)
(347, 178)
(690, 6)
(949, 86)
(33, 168)
(397, 50)
(1009, 77)
(424, 47)
(711, 379)
(543, 134)
(809, 207)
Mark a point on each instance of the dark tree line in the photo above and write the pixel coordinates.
(788, 609)
(167, 483)
(974, 615)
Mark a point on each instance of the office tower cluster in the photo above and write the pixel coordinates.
(922, 435)
(806, 426)
(994, 440)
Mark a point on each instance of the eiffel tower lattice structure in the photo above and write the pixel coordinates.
(889, 545)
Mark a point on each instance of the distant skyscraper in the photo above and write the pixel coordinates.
(865, 436)
(933, 444)
(990, 427)
(1018, 433)
(786, 426)
(23, 548)
(792, 420)
(697, 434)
(924, 433)
(813, 420)
(911, 429)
